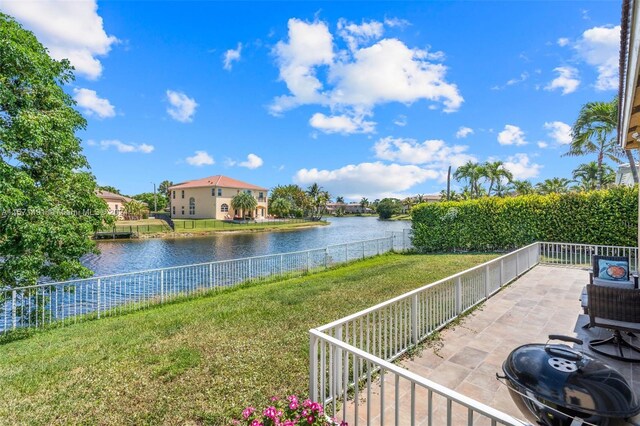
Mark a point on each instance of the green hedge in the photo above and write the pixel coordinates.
(608, 217)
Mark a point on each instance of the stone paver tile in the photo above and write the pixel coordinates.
(449, 374)
(469, 357)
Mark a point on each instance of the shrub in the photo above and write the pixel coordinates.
(607, 217)
(287, 412)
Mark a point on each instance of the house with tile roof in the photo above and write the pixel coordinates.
(115, 202)
(210, 198)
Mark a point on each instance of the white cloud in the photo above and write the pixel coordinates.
(182, 107)
(511, 135)
(542, 144)
(69, 29)
(355, 35)
(231, 56)
(521, 167)
(559, 132)
(523, 77)
(463, 132)
(201, 158)
(93, 104)
(359, 78)
(341, 124)
(599, 47)
(253, 162)
(563, 41)
(567, 80)
(366, 179)
(126, 148)
(400, 120)
(433, 153)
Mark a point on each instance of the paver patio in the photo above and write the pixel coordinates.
(467, 357)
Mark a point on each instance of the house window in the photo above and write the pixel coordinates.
(213, 192)
(219, 192)
(192, 206)
(248, 191)
(183, 193)
(182, 210)
(174, 209)
(174, 195)
(116, 210)
(224, 208)
(261, 195)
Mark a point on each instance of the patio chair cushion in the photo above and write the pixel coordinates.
(630, 284)
(613, 270)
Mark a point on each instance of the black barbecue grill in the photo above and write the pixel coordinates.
(554, 385)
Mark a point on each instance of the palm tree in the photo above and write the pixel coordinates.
(408, 203)
(494, 172)
(592, 134)
(280, 207)
(133, 210)
(244, 202)
(419, 198)
(364, 203)
(318, 199)
(588, 176)
(521, 187)
(340, 200)
(553, 185)
(472, 172)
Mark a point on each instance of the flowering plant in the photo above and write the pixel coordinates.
(288, 411)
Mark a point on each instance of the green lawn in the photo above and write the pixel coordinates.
(199, 361)
(212, 225)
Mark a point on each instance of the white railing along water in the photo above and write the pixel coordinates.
(65, 302)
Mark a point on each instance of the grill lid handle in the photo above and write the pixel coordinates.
(565, 338)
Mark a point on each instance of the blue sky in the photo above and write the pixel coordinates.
(366, 98)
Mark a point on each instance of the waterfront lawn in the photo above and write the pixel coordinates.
(199, 361)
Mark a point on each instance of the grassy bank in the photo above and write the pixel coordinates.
(199, 361)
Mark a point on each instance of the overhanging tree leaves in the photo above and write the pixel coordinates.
(48, 206)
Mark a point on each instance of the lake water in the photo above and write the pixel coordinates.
(120, 256)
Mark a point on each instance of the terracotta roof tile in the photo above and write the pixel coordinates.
(218, 181)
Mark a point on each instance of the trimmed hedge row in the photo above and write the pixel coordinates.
(608, 217)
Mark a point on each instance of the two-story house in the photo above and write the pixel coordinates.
(210, 198)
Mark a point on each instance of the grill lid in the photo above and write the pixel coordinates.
(561, 376)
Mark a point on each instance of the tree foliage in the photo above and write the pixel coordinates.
(244, 202)
(149, 198)
(387, 207)
(598, 217)
(280, 207)
(47, 197)
(295, 196)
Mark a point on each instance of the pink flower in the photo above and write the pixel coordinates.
(247, 412)
(256, 423)
(288, 423)
(271, 413)
(310, 419)
(293, 405)
(306, 403)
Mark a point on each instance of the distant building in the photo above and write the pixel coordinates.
(210, 198)
(115, 202)
(348, 208)
(624, 175)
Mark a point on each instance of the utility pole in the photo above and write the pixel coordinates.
(155, 198)
(449, 184)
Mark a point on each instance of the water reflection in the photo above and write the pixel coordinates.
(135, 255)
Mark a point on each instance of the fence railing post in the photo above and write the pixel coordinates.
(501, 272)
(308, 261)
(487, 281)
(363, 249)
(326, 257)
(338, 360)
(313, 367)
(414, 319)
(161, 285)
(458, 295)
(211, 275)
(14, 318)
(281, 260)
(99, 297)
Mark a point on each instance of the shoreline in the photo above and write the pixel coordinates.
(208, 233)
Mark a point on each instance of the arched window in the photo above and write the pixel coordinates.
(192, 206)
(224, 208)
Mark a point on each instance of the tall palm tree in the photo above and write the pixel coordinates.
(408, 203)
(588, 176)
(280, 207)
(244, 202)
(472, 172)
(553, 185)
(364, 203)
(340, 200)
(495, 172)
(318, 199)
(592, 133)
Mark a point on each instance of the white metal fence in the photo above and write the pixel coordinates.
(581, 255)
(65, 302)
(346, 355)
